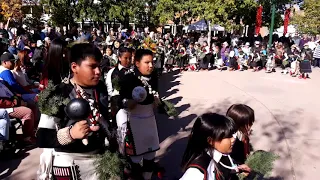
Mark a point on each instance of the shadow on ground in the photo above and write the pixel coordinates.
(275, 132)
(174, 134)
(10, 162)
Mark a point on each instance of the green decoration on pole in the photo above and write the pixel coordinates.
(273, 9)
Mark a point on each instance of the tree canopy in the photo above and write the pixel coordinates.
(224, 12)
(11, 9)
(309, 20)
(228, 13)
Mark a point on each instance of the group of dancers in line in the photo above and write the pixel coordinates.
(66, 155)
(218, 144)
(240, 56)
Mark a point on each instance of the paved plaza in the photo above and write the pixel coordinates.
(286, 109)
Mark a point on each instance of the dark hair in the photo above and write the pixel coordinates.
(56, 66)
(101, 47)
(79, 52)
(108, 47)
(209, 125)
(142, 52)
(132, 50)
(242, 115)
(123, 50)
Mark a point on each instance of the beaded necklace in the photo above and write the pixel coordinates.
(95, 114)
(144, 81)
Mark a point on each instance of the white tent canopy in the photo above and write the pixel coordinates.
(217, 27)
(198, 26)
(202, 26)
(291, 30)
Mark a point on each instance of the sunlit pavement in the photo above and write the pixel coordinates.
(287, 119)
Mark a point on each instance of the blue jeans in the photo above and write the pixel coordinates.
(4, 124)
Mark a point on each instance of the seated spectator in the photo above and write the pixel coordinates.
(23, 79)
(7, 64)
(12, 47)
(17, 108)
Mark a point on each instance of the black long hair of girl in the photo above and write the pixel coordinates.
(209, 125)
(56, 66)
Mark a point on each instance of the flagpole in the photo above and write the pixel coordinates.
(272, 23)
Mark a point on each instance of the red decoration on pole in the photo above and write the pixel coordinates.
(286, 21)
(259, 19)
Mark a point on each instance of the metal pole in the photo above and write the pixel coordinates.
(209, 33)
(247, 29)
(272, 23)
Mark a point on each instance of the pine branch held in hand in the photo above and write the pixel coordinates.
(261, 164)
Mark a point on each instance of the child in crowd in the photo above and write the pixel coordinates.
(208, 151)
(305, 66)
(243, 116)
(264, 56)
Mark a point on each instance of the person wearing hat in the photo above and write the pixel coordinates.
(7, 64)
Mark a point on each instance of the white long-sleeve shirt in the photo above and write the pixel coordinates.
(109, 81)
(196, 174)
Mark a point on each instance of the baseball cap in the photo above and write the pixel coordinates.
(6, 56)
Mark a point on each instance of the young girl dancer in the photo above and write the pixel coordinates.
(207, 154)
(113, 78)
(243, 116)
(139, 132)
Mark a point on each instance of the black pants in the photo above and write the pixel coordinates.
(264, 61)
(233, 63)
(316, 62)
(181, 61)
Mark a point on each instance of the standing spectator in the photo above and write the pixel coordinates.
(303, 41)
(316, 55)
(3, 30)
(202, 39)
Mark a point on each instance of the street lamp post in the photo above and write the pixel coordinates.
(147, 10)
(273, 9)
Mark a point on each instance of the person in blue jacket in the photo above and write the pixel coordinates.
(7, 64)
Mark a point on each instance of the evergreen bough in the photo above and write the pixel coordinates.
(168, 108)
(50, 103)
(110, 166)
(261, 164)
